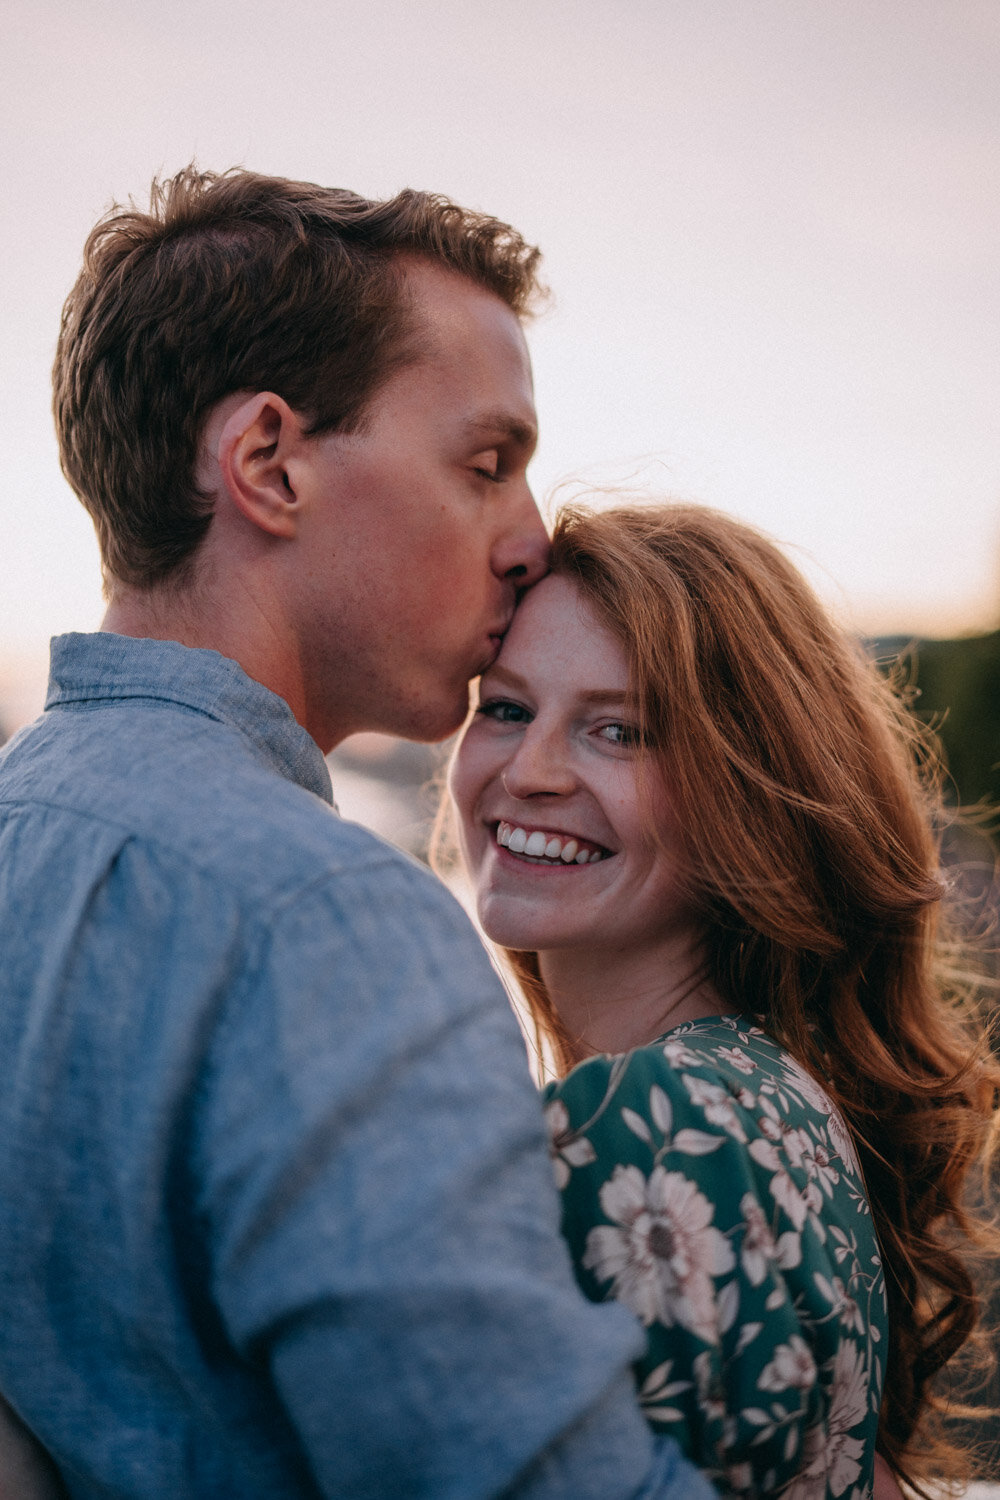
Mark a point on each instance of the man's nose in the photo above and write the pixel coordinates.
(523, 553)
(541, 766)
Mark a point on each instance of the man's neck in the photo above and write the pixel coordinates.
(241, 631)
(153, 614)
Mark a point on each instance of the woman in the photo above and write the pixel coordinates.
(702, 829)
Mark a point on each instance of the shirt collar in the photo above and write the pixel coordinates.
(102, 667)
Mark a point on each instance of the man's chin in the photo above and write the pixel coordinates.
(429, 724)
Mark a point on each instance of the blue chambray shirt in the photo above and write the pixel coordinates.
(277, 1218)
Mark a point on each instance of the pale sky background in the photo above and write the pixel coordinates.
(772, 228)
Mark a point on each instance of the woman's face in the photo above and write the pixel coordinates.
(555, 817)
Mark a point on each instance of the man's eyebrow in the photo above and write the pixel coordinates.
(501, 424)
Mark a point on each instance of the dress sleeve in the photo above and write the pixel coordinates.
(666, 1210)
(382, 1225)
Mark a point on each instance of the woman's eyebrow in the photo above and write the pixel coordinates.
(589, 695)
(604, 695)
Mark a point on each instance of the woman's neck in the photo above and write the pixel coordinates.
(612, 1001)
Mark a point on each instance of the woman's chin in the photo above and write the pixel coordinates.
(511, 928)
(513, 936)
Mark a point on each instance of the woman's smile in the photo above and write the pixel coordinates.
(541, 847)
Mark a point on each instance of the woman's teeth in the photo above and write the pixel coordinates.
(552, 847)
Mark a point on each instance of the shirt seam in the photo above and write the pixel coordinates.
(282, 896)
(93, 703)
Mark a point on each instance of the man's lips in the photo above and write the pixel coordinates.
(495, 638)
(493, 651)
(546, 846)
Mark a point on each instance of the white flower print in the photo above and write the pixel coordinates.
(805, 1084)
(664, 1251)
(831, 1457)
(850, 1314)
(812, 1198)
(739, 1477)
(717, 1104)
(797, 1144)
(819, 1164)
(566, 1151)
(843, 1143)
(841, 1301)
(737, 1058)
(679, 1056)
(657, 1388)
(792, 1368)
(769, 1109)
(759, 1247)
(782, 1188)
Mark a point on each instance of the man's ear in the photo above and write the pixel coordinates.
(257, 444)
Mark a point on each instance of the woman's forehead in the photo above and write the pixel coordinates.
(557, 627)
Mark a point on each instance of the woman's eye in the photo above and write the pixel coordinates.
(625, 735)
(503, 711)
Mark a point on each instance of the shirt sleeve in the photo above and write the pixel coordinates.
(669, 1208)
(382, 1222)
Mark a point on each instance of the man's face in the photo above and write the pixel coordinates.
(421, 527)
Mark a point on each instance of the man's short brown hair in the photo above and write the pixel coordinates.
(233, 281)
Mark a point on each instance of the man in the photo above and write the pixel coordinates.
(279, 1219)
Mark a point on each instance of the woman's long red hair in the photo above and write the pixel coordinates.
(807, 800)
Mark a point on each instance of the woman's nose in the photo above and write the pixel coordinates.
(541, 766)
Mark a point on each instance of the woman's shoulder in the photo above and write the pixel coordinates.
(700, 1083)
(733, 1046)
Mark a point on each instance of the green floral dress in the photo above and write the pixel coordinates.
(711, 1186)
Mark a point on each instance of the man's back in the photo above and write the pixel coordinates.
(273, 1174)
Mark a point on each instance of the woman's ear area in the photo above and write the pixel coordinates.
(261, 438)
